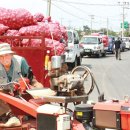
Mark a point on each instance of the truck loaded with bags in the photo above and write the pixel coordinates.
(32, 35)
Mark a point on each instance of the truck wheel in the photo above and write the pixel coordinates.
(89, 55)
(99, 55)
(104, 54)
(82, 55)
(75, 63)
(69, 66)
(72, 65)
(79, 60)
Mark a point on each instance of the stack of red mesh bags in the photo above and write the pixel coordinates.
(20, 22)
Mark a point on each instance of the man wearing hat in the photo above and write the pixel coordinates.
(10, 66)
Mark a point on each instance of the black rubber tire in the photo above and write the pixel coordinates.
(79, 60)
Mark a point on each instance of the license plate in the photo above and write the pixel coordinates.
(87, 50)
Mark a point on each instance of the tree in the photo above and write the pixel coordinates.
(127, 33)
(86, 28)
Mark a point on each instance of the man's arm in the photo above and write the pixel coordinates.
(26, 72)
(24, 68)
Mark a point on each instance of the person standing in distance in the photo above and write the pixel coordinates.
(117, 44)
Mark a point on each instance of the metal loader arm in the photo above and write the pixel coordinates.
(19, 104)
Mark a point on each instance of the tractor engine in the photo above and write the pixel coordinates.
(64, 82)
(68, 84)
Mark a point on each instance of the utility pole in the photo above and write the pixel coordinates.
(48, 7)
(92, 17)
(124, 5)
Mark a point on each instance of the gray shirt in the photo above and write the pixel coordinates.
(24, 69)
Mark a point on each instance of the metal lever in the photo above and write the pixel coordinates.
(23, 79)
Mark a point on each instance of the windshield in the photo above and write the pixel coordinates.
(70, 37)
(89, 40)
(125, 39)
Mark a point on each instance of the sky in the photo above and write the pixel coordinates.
(77, 13)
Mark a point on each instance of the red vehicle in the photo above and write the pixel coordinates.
(46, 116)
(104, 38)
(35, 55)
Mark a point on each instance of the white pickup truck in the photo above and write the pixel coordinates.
(72, 53)
(92, 45)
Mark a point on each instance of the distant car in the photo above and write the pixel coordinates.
(81, 50)
(111, 41)
(123, 45)
(127, 42)
(92, 45)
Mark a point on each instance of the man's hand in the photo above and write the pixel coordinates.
(37, 85)
(5, 91)
(1, 90)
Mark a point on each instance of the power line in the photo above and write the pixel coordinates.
(69, 4)
(80, 18)
(76, 15)
(79, 10)
(83, 3)
(69, 13)
(83, 11)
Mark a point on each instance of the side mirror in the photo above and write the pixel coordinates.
(68, 49)
(100, 41)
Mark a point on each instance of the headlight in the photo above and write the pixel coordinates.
(96, 47)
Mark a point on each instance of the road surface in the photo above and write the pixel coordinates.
(112, 76)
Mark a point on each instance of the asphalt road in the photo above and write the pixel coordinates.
(112, 76)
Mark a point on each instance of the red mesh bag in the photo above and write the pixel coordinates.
(34, 30)
(38, 17)
(3, 29)
(64, 32)
(53, 29)
(55, 46)
(12, 33)
(48, 19)
(52, 45)
(13, 42)
(32, 43)
(16, 19)
(42, 28)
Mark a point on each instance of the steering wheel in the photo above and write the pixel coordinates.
(86, 74)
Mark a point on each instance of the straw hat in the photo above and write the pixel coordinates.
(5, 49)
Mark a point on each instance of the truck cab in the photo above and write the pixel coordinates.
(72, 53)
(93, 45)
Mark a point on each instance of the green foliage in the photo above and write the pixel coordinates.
(86, 31)
(127, 33)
